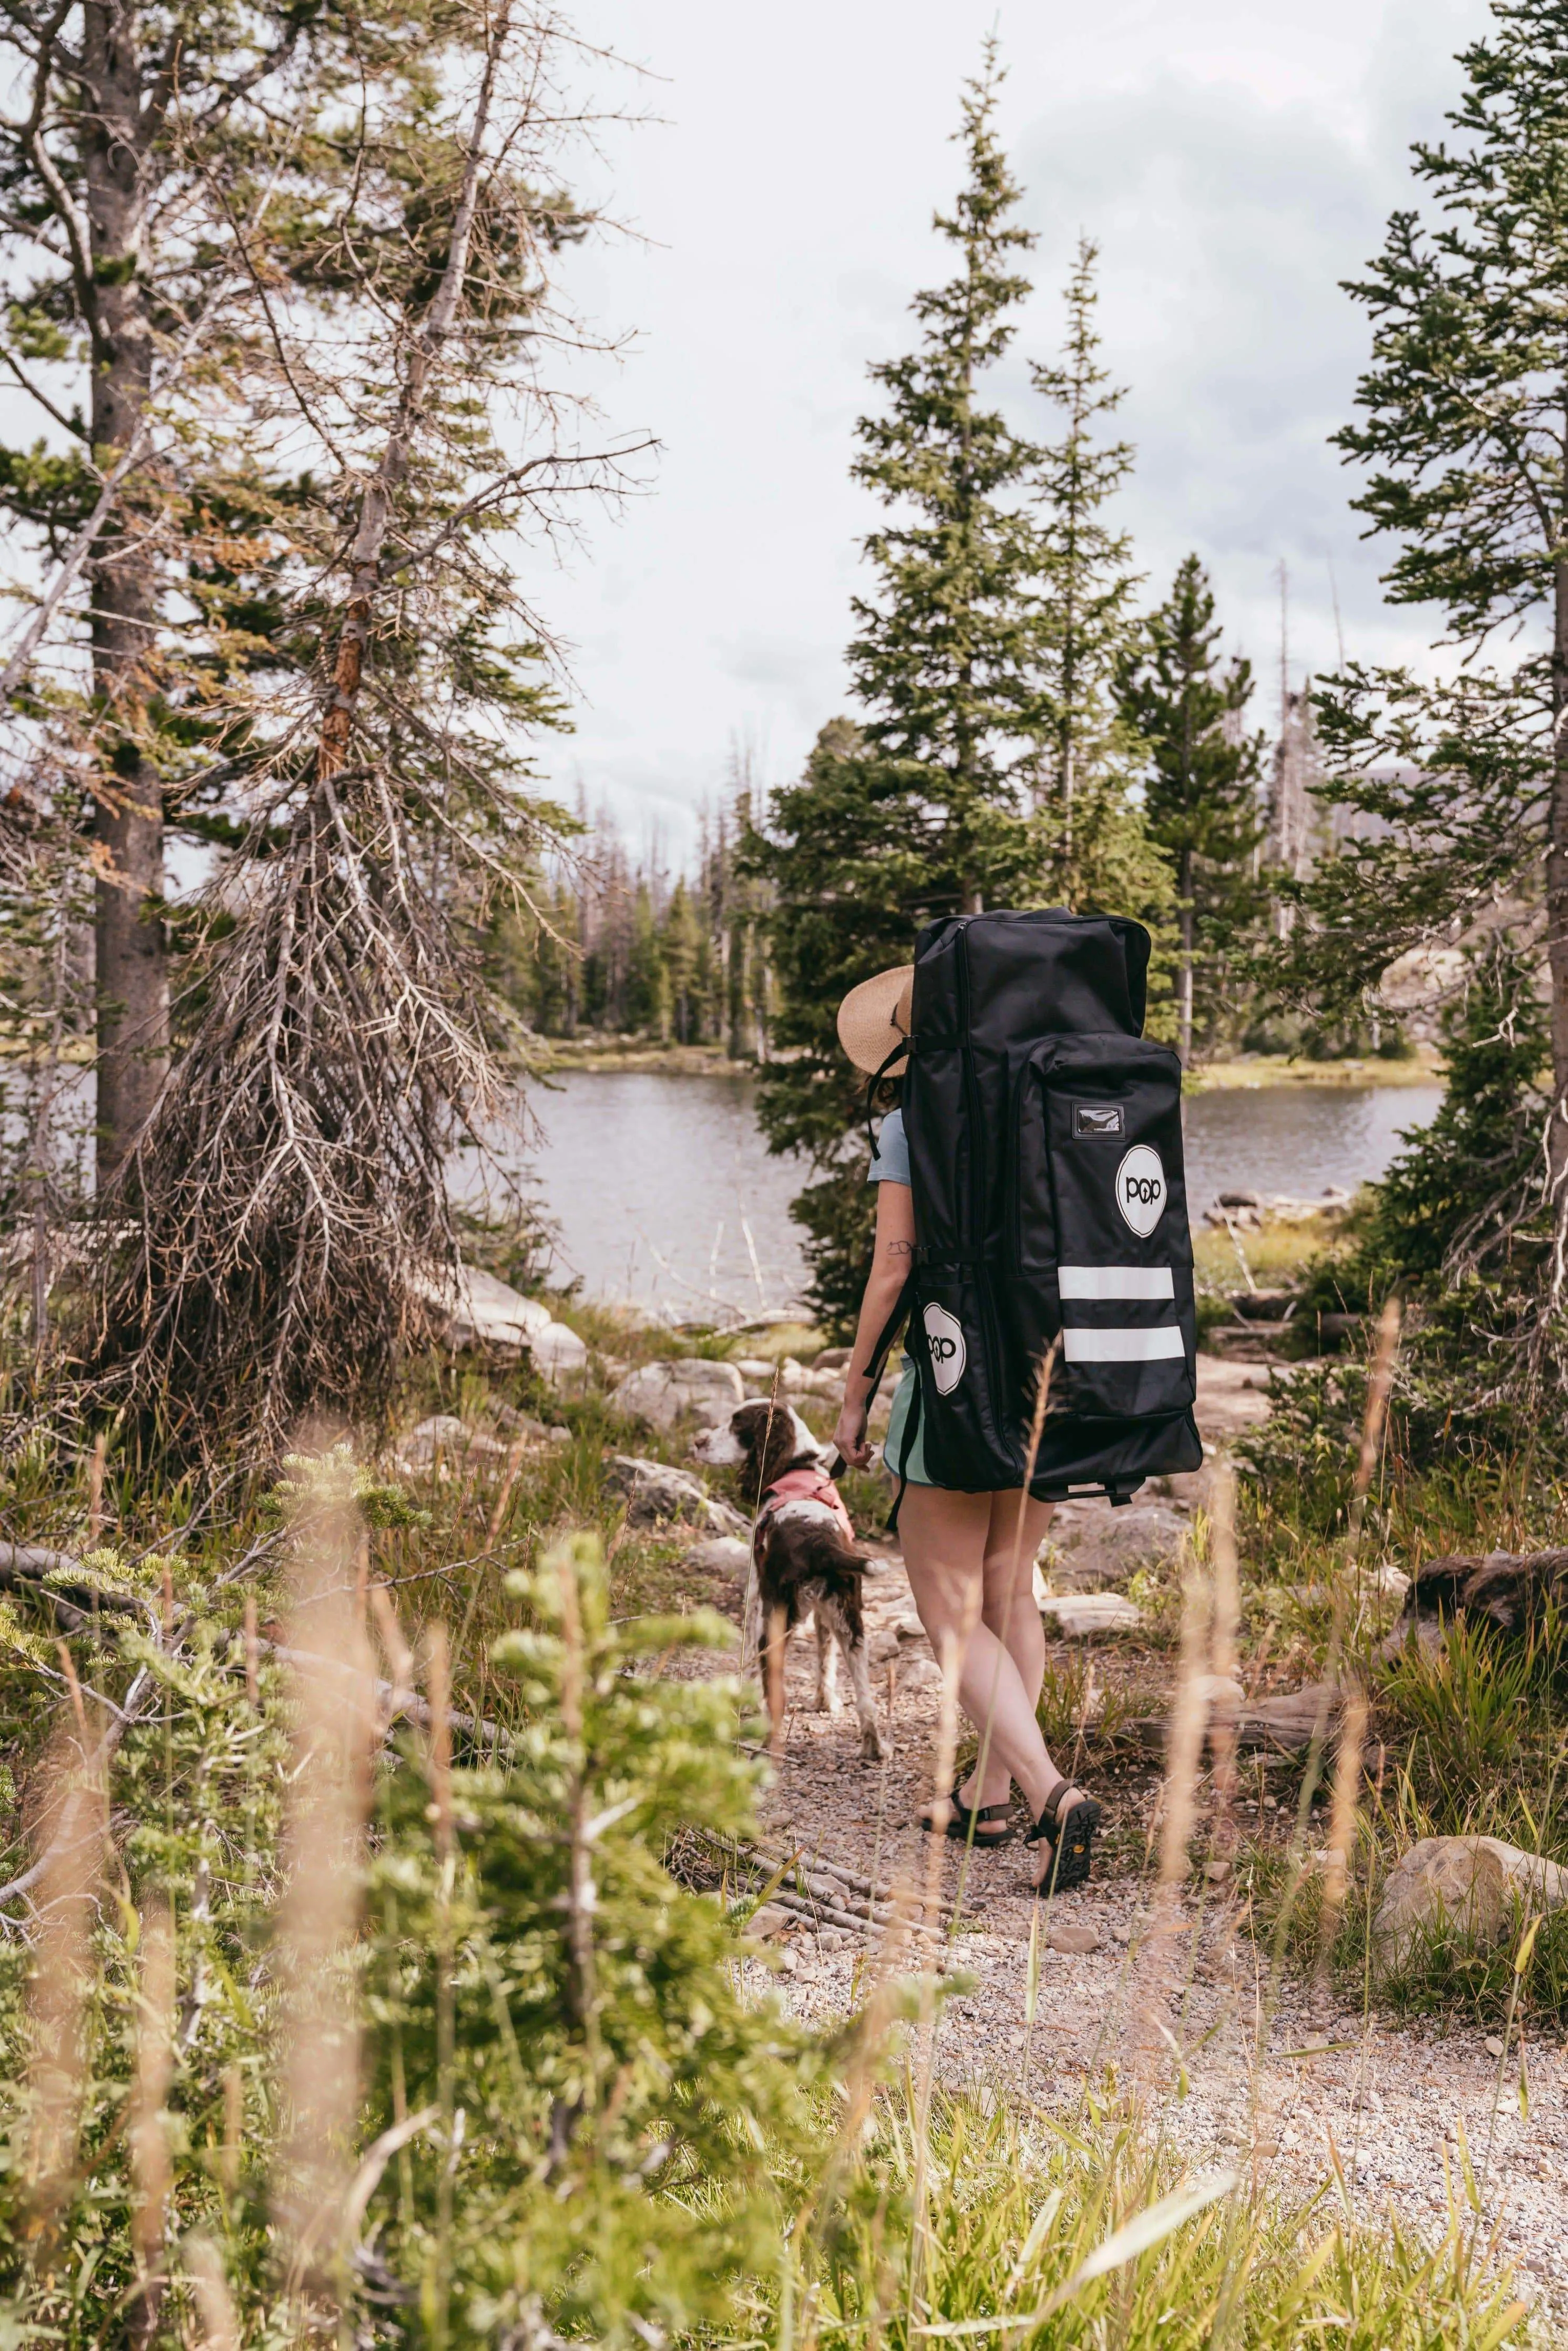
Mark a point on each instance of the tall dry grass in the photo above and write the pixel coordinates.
(336, 1731)
(70, 1836)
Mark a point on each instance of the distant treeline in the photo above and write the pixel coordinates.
(624, 947)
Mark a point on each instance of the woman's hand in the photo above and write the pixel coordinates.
(848, 1435)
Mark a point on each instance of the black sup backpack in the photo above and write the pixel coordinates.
(1049, 1206)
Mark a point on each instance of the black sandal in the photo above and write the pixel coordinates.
(960, 1817)
(1072, 1836)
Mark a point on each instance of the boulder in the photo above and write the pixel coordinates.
(690, 1388)
(795, 1380)
(1105, 1546)
(481, 1310)
(658, 1494)
(559, 1355)
(1469, 1884)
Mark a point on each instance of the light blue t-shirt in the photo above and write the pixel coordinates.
(890, 1165)
(890, 1161)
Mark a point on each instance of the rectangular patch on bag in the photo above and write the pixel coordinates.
(1097, 1118)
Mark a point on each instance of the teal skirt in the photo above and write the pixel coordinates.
(915, 1468)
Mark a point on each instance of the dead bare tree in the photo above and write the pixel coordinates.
(265, 1247)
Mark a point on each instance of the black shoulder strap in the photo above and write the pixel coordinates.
(911, 1429)
(875, 1080)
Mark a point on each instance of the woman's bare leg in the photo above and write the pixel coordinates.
(1010, 1610)
(946, 1538)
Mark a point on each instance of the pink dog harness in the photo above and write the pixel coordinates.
(802, 1486)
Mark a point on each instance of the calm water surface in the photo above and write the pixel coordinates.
(662, 1192)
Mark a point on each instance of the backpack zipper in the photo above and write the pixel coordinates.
(989, 1335)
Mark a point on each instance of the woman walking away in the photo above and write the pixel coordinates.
(969, 1557)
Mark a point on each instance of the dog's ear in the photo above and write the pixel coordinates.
(780, 1444)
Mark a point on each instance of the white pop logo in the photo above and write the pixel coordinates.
(1141, 1188)
(944, 1337)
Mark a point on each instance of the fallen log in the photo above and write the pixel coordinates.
(1285, 1725)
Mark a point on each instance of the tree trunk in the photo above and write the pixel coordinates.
(737, 957)
(132, 980)
(1557, 897)
(1184, 980)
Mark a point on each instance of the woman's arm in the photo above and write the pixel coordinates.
(891, 1261)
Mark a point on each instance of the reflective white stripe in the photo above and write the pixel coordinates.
(1116, 1281)
(1122, 1346)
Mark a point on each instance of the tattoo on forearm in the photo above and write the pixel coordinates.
(898, 1248)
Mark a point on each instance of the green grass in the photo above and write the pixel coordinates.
(1025, 2216)
(1474, 1741)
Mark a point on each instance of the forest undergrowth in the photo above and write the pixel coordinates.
(346, 1995)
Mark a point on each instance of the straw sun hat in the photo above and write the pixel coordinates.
(874, 1016)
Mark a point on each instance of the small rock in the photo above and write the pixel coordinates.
(1121, 1932)
(752, 1368)
(664, 1393)
(559, 1434)
(787, 1964)
(1493, 2046)
(918, 1673)
(443, 1433)
(770, 1922)
(658, 1494)
(521, 1423)
(833, 1359)
(1217, 1872)
(1067, 1935)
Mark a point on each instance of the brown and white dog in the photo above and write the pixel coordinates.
(803, 1559)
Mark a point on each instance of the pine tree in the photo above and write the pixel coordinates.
(647, 979)
(920, 805)
(681, 942)
(845, 873)
(944, 659)
(1462, 422)
(1200, 780)
(1083, 751)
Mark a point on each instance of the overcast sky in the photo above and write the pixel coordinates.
(1233, 159)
